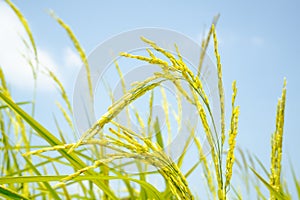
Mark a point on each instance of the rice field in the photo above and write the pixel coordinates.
(36, 163)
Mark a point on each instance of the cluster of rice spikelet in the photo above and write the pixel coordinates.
(126, 144)
(174, 70)
(232, 135)
(276, 143)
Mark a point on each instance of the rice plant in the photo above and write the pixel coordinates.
(30, 171)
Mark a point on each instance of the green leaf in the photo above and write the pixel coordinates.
(10, 194)
(53, 141)
(151, 190)
(272, 190)
(46, 184)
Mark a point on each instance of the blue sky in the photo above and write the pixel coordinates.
(259, 46)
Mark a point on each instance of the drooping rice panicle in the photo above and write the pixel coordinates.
(188, 75)
(79, 50)
(161, 50)
(179, 65)
(139, 90)
(168, 170)
(148, 152)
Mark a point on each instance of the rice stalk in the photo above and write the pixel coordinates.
(207, 171)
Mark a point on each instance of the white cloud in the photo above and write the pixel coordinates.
(71, 58)
(17, 70)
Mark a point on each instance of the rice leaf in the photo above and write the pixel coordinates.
(152, 191)
(52, 140)
(10, 194)
(46, 184)
(272, 190)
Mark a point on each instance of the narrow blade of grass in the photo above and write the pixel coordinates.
(272, 190)
(53, 141)
(18, 103)
(10, 194)
(152, 191)
(53, 193)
